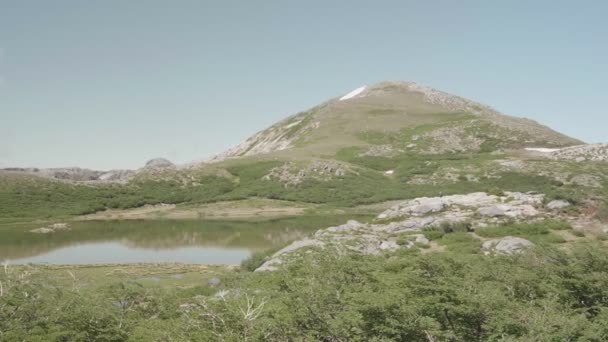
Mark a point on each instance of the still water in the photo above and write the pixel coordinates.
(204, 242)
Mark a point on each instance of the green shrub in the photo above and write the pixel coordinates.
(578, 233)
(461, 242)
(256, 260)
(545, 294)
(536, 232)
(454, 227)
(433, 234)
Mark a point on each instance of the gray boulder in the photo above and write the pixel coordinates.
(159, 163)
(492, 211)
(506, 245)
(558, 204)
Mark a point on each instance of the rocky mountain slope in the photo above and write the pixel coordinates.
(398, 117)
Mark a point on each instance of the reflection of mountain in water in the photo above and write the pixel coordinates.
(234, 239)
(259, 235)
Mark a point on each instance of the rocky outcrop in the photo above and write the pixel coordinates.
(294, 174)
(159, 163)
(507, 245)
(590, 152)
(512, 204)
(410, 218)
(558, 204)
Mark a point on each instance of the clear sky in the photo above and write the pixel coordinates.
(110, 84)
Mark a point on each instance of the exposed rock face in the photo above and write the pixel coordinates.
(278, 137)
(381, 151)
(506, 245)
(558, 204)
(591, 152)
(294, 174)
(159, 163)
(512, 204)
(276, 259)
(479, 209)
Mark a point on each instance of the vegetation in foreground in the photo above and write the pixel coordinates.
(546, 294)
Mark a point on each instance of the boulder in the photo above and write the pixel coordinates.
(426, 208)
(276, 260)
(558, 204)
(388, 245)
(506, 245)
(493, 211)
(159, 163)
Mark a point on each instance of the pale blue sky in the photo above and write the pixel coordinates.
(110, 84)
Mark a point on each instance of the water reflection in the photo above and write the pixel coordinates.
(213, 242)
(118, 253)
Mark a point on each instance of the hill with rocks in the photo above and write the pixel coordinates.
(384, 142)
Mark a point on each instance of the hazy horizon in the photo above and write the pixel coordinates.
(110, 85)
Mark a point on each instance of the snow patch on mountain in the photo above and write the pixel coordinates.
(353, 93)
(542, 149)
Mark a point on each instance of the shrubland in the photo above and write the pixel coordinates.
(545, 294)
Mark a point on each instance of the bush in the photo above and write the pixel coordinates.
(545, 294)
(536, 232)
(433, 234)
(256, 260)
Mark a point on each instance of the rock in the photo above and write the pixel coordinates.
(525, 210)
(506, 245)
(423, 209)
(388, 245)
(593, 152)
(271, 265)
(52, 228)
(214, 281)
(419, 214)
(43, 230)
(518, 204)
(558, 204)
(159, 163)
(293, 173)
(421, 239)
(493, 211)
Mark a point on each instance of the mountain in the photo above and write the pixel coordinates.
(389, 141)
(399, 117)
(76, 174)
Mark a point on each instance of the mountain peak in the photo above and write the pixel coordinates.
(451, 124)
